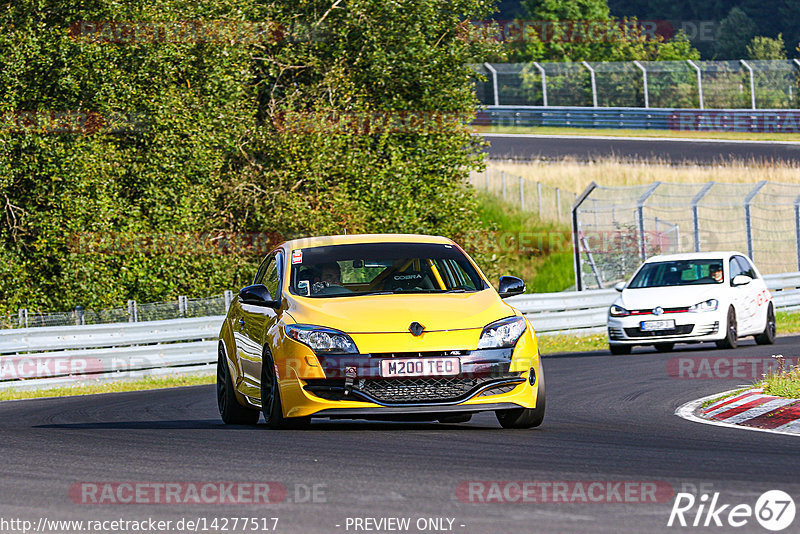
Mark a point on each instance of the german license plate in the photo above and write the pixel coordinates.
(649, 326)
(421, 367)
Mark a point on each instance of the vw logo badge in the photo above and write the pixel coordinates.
(658, 310)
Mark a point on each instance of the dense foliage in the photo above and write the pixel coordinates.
(156, 161)
(586, 31)
(736, 21)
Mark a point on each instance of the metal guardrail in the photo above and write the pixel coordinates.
(586, 311)
(734, 120)
(63, 355)
(108, 335)
(58, 356)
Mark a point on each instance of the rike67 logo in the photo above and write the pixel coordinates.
(774, 510)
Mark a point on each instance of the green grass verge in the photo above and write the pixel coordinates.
(734, 136)
(787, 323)
(786, 385)
(109, 387)
(515, 236)
(553, 344)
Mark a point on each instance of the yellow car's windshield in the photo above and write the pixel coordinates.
(378, 268)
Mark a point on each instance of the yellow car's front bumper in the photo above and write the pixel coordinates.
(490, 379)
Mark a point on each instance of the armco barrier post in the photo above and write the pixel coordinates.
(23, 317)
(182, 305)
(228, 296)
(133, 313)
(79, 316)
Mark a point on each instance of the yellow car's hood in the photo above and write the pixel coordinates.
(395, 313)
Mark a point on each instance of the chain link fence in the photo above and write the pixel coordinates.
(742, 84)
(183, 307)
(618, 227)
(548, 202)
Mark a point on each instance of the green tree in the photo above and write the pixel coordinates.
(735, 33)
(765, 48)
(322, 123)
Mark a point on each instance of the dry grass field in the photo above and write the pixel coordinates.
(574, 176)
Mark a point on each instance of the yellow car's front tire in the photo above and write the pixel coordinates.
(230, 410)
(525, 417)
(271, 398)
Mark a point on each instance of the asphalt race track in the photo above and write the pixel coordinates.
(532, 147)
(609, 419)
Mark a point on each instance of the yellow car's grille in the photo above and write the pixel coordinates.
(413, 390)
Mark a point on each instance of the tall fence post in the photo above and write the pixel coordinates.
(80, 318)
(133, 313)
(558, 204)
(644, 84)
(503, 179)
(544, 82)
(752, 84)
(23, 318)
(640, 213)
(539, 197)
(748, 224)
(228, 296)
(576, 237)
(182, 305)
(797, 229)
(594, 83)
(695, 218)
(494, 83)
(699, 82)
(486, 173)
(521, 195)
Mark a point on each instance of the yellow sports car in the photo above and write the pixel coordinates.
(377, 327)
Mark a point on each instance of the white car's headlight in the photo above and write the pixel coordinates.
(502, 333)
(322, 339)
(618, 311)
(709, 305)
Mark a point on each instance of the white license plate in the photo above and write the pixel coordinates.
(649, 326)
(421, 367)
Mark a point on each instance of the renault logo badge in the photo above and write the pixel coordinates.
(416, 329)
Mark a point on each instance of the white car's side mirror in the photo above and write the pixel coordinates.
(741, 280)
(619, 286)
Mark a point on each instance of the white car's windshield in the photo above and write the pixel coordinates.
(378, 268)
(678, 273)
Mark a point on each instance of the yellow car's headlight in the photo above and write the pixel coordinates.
(322, 339)
(503, 333)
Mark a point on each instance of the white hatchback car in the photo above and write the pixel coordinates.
(690, 298)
